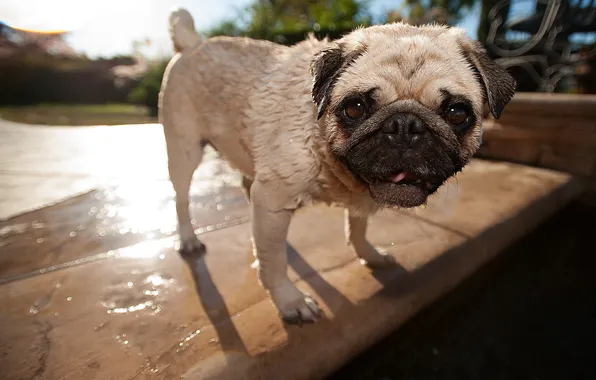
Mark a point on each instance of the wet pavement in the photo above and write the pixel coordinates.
(92, 287)
(41, 165)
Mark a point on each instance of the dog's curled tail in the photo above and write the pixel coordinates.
(182, 30)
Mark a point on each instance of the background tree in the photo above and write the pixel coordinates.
(301, 15)
(226, 28)
(288, 21)
(418, 12)
(418, 15)
(146, 93)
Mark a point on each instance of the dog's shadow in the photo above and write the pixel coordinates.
(219, 315)
(213, 302)
(326, 292)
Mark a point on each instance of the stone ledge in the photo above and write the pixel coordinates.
(136, 313)
(542, 104)
(554, 131)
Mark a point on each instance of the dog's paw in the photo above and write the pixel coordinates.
(383, 261)
(191, 245)
(299, 312)
(376, 259)
(295, 307)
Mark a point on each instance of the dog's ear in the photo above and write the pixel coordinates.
(497, 83)
(326, 68)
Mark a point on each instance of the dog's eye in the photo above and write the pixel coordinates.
(457, 114)
(355, 109)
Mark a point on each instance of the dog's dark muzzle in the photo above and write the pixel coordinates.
(402, 153)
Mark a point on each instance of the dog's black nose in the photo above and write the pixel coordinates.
(404, 128)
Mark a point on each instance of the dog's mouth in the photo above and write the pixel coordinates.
(402, 189)
(408, 178)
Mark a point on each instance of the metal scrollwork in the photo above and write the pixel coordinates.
(541, 44)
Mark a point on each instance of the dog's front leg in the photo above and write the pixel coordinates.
(355, 229)
(269, 230)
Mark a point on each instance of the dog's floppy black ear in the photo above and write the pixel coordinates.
(326, 68)
(498, 84)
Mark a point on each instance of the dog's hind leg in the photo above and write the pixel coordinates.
(184, 156)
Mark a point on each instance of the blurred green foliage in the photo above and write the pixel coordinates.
(288, 21)
(267, 16)
(146, 92)
(452, 10)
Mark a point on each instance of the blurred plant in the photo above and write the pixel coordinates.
(226, 28)
(146, 92)
(418, 12)
(299, 15)
(283, 20)
(418, 15)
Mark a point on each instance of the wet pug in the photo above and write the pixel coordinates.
(379, 118)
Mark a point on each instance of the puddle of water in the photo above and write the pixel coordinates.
(138, 215)
(147, 294)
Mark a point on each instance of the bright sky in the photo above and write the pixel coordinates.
(109, 27)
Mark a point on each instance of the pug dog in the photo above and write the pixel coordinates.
(379, 118)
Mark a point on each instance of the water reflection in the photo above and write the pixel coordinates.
(143, 250)
(100, 326)
(145, 292)
(157, 280)
(122, 339)
(135, 202)
(19, 228)
(185, 342)
(13, 229)
(132, 308)
(129, 221)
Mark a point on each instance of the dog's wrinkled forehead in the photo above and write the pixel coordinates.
(401, 61)
(414, 66)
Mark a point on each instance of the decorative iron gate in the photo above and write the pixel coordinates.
(553, 44)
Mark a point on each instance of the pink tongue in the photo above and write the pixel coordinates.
(398, 177)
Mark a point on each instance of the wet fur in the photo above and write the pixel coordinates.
(271, 112)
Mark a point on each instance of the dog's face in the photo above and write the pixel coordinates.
(401, 106)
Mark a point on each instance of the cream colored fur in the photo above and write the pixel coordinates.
(252, 101)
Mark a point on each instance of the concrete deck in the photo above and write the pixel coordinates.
(92, 287)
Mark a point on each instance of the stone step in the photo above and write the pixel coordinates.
(142, 311)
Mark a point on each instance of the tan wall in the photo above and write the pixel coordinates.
(556, 131)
